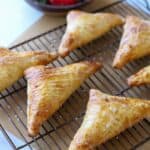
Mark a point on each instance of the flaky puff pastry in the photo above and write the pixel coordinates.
(135, 42)
(140, 78)
(83, 27)
(49, 88)
(13, 64)
(106, 116)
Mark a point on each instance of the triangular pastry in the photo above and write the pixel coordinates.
(13, 64)
(135, 42)
(106, 116)
(140, 78)
(83, 27)
(49, 88)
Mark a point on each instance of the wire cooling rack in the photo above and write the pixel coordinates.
(58, 131)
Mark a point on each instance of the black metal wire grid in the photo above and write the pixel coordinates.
(59, 130)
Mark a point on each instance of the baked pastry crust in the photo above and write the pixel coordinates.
(106, 116)
(83, 27)
(13, 64)
(49, 88)
(140, 78)
(135, 42)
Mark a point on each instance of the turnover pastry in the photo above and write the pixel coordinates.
(135, 42)
(13, 64)
(106, 116)
(49, 88)
(140, 78)
(83, 27)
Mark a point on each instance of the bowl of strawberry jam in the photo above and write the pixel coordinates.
(57, 5)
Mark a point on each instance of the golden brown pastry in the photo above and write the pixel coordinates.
(83, 27)
(140, 78)
(135, 42)
(13, 64)
(106, 117)
(49, 88)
